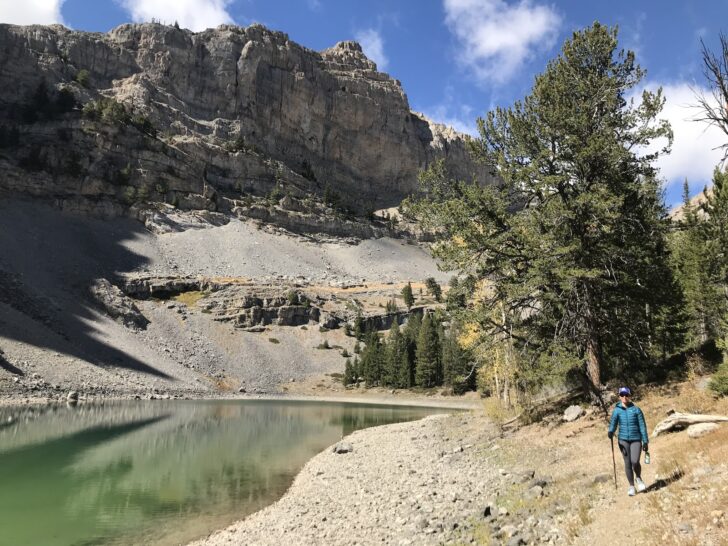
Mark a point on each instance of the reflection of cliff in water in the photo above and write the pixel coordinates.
(171, 471)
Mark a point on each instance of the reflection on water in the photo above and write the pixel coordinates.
(162, 472)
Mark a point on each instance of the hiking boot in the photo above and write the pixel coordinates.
(631, 491)
(640, 485)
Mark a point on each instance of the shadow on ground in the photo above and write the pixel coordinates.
(48, 260)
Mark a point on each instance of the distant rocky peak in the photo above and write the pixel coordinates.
(349, 56)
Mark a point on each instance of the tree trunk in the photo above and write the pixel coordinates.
(592, 362)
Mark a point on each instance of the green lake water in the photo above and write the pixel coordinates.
(159, 472)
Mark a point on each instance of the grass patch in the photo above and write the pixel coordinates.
(274, 340)
(323, 329)
(190, 298)
(497, 412)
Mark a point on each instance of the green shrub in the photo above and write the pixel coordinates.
(121, 177)
(109, 111)
(276, 194)
(324, 345)
(273, 340)
(83, 77)
(292, 297)
(719, 382)
(130, 195)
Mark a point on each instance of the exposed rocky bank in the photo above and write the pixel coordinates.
(461, 480)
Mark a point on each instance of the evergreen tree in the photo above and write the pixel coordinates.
(349, 372)
(358, 326)
(572, 240)
(455, 299)
(409, 298)
(457, 368)
(715, 233)
(396, 359)
(428, 370)
(356, 369)
(433, 288)
(411, 334)
(372, 359)
(690, 262)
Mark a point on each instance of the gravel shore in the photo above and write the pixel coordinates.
(432, 481)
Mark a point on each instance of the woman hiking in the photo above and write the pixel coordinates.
(632, 437)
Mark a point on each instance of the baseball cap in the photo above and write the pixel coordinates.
(624, 391)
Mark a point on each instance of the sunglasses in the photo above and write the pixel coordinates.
(625, 395)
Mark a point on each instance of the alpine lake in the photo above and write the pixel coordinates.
(161, 472)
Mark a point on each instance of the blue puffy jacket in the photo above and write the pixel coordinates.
(631, 423)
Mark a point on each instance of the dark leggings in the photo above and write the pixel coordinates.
(631, 453)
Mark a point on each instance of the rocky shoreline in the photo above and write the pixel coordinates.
(436, 481)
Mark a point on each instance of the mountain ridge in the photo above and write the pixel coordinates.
(219, 115)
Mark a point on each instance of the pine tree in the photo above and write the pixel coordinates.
(433, 288)
(407, 295)
(428, 370)
(715, 233)
(396, 359)
(356, 369)
(457, 369)
(572, 240)
(358, 326)
(690, 262)
(411, 334)
(372, 359)
(349, 376)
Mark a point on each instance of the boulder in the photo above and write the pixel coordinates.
(701, 429)
(572, 413)
(534, 492)
(343, 447)
(117, 304)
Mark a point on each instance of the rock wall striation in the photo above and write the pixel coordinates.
(205, 121)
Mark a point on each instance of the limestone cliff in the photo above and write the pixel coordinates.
(207, 120)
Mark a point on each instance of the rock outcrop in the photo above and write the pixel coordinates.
(206, 121)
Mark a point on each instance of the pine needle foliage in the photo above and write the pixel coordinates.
(571, 242)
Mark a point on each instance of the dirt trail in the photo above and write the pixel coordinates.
(457, 480)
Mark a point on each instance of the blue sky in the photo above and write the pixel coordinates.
(457, 59)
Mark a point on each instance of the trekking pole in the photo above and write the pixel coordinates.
(614, 463)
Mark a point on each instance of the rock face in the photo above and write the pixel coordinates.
(208, 118)
(117, 305)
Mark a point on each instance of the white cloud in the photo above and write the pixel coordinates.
(314, 5)
(373, 45)
(196, 15)
(459, 121)
(496, 38)
(695, 150)
(31, 12)
(453, 112)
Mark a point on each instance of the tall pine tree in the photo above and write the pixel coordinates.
(572, 240)
(428, 370)
(411, 334)
(457, 367)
